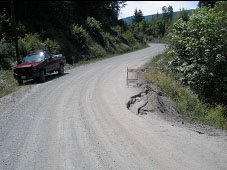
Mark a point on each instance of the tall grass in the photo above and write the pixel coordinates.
(7, 82)
(186, 102)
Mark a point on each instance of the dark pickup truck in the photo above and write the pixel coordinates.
(37, 64)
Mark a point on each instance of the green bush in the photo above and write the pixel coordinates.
(183, 15)
(30, 42)
(186, 102)
(93, 26)
(128, 35)
(80, 35)
(97, 51)
(199, 50)
(122, 48)
(7, 82)
(94, 29)
(109, 42)
(118, 30)
(7, 53)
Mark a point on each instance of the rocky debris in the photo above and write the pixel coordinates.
(150, 100)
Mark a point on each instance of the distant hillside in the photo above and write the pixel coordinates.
(128, 20)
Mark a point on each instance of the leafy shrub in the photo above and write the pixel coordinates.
(143, 26)
(140, 37)
(128, 35)
(53, 43)
(21, 29)
(183, 15)
(7, 82)
(97, 51)
(94, 29)
(80, 35)
(199, 50)
(122, 48)
(185, 101)
(93, 26)
(119, 30)
(5, 25)
(7, 53)
(30, 42)
(109, 40)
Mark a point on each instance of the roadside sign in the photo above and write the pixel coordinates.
(132, 74)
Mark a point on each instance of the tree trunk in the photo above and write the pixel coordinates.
(14, 30)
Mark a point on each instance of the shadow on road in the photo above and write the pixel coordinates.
(49, 77)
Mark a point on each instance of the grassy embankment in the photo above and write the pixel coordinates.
(186, 102)
(8, 84)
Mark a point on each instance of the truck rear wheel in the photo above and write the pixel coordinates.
(61, 70)
(20, 81)
(42, 76)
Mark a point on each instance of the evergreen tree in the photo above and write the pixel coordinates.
(165, 15)
(170, 12)
(138, 16)
(183, 14)
(206, 4)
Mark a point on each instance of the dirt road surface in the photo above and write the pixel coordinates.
(79, 121)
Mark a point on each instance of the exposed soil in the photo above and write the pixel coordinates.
(151, 101)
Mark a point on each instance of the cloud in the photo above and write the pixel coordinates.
(151, 7)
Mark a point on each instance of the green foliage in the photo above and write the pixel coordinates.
(30, 42)
(97, 51)
(77, 27)
(80, 35)
(109, 42)
(209, 4)
(53, 43)
(32, 18)
(120, 30)
(138, 16)
(198, 47)
(7, 50)
(170, 12)
(21, 29)
(186, 102)
(34, 42)
(94, 29)
(7, 82)
(143, 26)
(160, 27)
(182, 15)
(221, 6)
(5, 25)
(93, 26)
(128, 35)
(165, 13)
(7, 53)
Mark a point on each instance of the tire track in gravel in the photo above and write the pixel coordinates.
(80, 121)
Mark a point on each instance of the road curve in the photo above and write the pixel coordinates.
(79, 121)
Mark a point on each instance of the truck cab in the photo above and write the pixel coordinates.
(37, 64)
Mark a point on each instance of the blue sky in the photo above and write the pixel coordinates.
(151, 7)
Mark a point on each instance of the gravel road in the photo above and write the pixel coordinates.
(79, 121)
